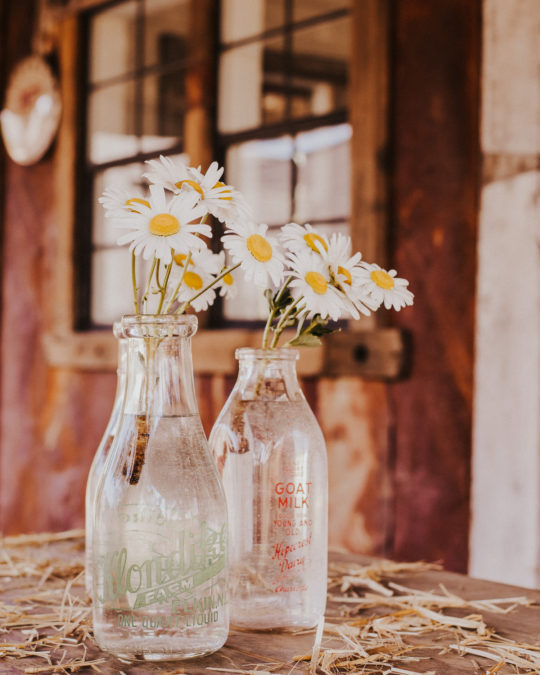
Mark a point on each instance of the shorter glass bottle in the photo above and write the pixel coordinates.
(271, 455)
(96, 469)
(160, 526)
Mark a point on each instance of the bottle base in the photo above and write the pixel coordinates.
(275, 624)
(159, 656)
(183, 650)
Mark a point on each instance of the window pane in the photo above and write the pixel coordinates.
(242, 19)
(164, 99)
(322, 158)
(126, 177)
(111, 269)
(112, 42)
(319, 67)
(251, 80)
(305, 9)
(111, 124)
(165, 31)
(262, 171)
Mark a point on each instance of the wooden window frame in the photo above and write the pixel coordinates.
(368, 349)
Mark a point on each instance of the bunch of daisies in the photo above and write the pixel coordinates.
(168, 229)
(309, 279)
(318, 280)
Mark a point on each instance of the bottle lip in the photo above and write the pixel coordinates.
(158, 325)
(280, 354)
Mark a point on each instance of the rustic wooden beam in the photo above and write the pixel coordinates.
(368, 114)
(374, 354)
(433, 244)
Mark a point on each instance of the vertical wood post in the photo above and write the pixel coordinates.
(436, 61)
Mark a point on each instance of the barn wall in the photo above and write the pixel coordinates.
(399, 453)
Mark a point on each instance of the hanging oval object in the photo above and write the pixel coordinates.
(31, 115)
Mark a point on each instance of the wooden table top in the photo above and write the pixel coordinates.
(389, 618)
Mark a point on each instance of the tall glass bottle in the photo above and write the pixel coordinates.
(271, 455)
(160, 527)
(102, 453)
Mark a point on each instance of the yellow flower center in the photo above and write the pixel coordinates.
(259, 248)
(193, 280)
(192, 184)
(317, 282)
(382, 279)
(226, 194)
(310, 238)
(228, 279)
(180, 259)
(164, 224)
(345, 272)
(137, 200)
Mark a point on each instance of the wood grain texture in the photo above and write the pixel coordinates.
(354, 422)
(435, 122)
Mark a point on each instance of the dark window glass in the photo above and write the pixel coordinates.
(282, 118)
(135, 108)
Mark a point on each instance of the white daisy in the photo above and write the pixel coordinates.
(117, 201)
(312, 282)
(203, 257)
(258, 253)
(384, 286)
(344, 270)
(168, 172)
(159, 227)
(228, 286)
(195, 278)
(298, 238)
(221, 200)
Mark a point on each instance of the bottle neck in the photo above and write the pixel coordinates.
(159, 377)
(121, 370)
(159, 374)
(268, 375)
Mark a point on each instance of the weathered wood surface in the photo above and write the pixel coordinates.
(435, 93)
(50, 566)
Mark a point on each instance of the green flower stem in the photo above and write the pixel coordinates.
(134, 282)
(226, 271)
(148, 282)
(163, 288)
(178, 285)
(272, 314)
(281, 323)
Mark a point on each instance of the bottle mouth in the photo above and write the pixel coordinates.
(281, 354)
(158, 325)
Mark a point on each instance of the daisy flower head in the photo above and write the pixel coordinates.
(258, 254)
(384, 286)
(168, 172)
(344, 268)
(156, 228)
(209, 261)
(298, 238)
(195, 276)
(118, 201)
(221, 200)
(228, 285)
(312, 282)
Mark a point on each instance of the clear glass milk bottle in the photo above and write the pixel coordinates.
(160, 526)
(101, 455)
(271, 455)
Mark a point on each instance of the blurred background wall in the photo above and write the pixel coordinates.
(412, 125)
